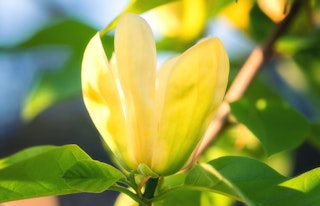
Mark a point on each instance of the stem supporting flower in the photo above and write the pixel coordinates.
(150, 188)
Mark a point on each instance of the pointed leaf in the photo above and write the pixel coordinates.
(302, 190)
(237, 177)
(39, 171)
(92, 176)
(254, 182)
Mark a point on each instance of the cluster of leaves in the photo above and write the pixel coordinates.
(52, 170)
(279, 112)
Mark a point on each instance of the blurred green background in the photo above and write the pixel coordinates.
(42, 43)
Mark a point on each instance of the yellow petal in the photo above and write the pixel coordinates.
(136, 60)
(161, 83)
(195, 87)
(103, 103)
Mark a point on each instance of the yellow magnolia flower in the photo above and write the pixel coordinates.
(150, 118)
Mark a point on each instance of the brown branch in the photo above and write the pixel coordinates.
(245, 76)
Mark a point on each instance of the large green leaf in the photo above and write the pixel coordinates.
(254, 182)
(237, 177)
(276, 125)
(51, 170)
(206, 177)
(301, 190)
(251, 177)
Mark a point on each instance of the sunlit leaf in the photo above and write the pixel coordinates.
(39, 171)
(92, 176)
(206, 177)
(254, 182)
(301, 190)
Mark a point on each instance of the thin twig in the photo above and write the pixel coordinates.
(245, 76)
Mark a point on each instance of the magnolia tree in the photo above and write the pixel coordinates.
(158, 124)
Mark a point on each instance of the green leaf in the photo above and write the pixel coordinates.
(304, 190)
(204, 176)
(39, 171)
(276, 125)
(187, 195)
(92, 176)
(254, 182)
(251, 177)
(234, 177)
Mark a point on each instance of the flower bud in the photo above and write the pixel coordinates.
(152, 120)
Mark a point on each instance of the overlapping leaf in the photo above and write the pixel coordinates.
(254, 182)
(51, 170)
